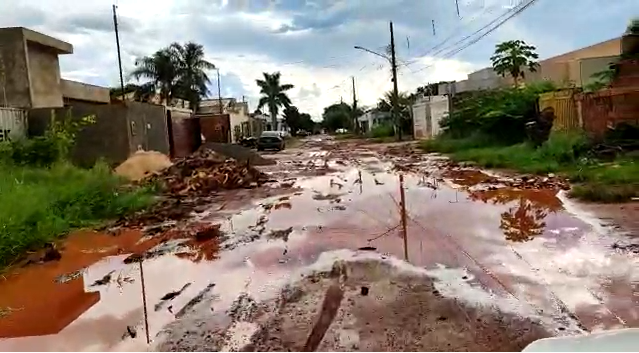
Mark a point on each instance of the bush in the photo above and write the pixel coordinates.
(54, 146)
(40, 205)
(382, 130)
(499, 114)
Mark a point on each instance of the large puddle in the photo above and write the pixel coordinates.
(524, 244)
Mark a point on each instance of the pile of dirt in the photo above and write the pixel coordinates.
(142, 164)
(241, 154)
(205, 172)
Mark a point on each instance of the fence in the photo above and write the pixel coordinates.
(594, 112)
(565, 107)
(119, 130)
(607, 108)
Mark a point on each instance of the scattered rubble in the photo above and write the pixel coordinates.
(203, 173)
(106, 279)
(189, 184)
(170, 296)
(239, 153)
(471, 177)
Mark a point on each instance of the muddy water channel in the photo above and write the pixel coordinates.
(485, 245)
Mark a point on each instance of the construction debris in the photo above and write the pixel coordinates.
(204, 172)
(239, 153)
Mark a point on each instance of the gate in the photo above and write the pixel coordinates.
(565, 106)
(13, 124)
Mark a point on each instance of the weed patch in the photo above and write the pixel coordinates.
(40, 205)
(563, 153)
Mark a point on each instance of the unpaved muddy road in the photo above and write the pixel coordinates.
(493, 264)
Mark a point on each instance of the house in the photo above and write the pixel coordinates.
(574, 68)
(238, 113)
(427, 112)
(155, 99)
(30, 72)
(372, 118)
(31, 84)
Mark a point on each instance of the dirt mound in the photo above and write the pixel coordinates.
(205, 172)
(189, 184)
(239, 153)
(142, 164)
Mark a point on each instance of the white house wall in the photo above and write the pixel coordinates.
(427, 113)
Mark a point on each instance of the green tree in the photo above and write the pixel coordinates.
(404, 102)
(337, 116)
(306, 123)
(513, 57)
(273, 94)
(191, 69)
(292, 117)
(177, 71)
(161, 72)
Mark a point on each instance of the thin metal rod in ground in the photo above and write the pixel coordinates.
(146, 316)
(403, 204)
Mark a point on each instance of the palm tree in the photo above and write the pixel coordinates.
(191, 69)
(404, 102)
(178, 71)
(273, 94)
(512, 57)
(161, 69)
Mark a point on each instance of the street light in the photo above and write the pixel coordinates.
(372, 52)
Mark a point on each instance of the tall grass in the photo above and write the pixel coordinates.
(563, 153)
(39, 205)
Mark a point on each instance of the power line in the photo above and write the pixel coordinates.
(513, 12)
(484, 10)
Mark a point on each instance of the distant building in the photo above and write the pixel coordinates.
(574, 68)
(372, 118)
(238, 115)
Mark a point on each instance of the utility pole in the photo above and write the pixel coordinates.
(396, 115)
(356, 125)
(219, 92)
(117, 43)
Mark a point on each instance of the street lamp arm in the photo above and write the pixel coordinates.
(372, 52)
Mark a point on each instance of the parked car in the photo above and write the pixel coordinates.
(303, 133)
(270, 140)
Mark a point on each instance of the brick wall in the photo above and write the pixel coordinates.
(608, 108)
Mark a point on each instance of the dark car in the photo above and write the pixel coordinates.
(270, 140)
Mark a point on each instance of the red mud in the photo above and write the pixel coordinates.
(40, 305)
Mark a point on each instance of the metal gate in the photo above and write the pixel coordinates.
(13, 124)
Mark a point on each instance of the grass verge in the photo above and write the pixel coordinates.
(41, 205)
(615, 181)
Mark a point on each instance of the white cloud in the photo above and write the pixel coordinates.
(310, 42)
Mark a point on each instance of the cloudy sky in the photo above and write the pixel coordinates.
(311, 41)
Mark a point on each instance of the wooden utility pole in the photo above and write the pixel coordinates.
(395, 102)
(402, 195)
(117, 43)
(219, 92)
(356, 125)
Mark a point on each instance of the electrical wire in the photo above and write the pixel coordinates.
(512, 13)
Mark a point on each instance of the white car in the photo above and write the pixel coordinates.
(341, 131)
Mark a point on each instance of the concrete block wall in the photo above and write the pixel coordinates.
(14, 73)
(44, 76)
